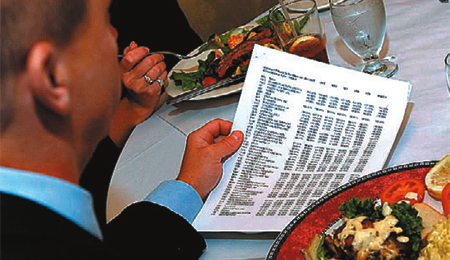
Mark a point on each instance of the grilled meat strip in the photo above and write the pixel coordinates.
(227, 65)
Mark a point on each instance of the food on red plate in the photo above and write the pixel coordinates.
(446, 200)
(438, 177)
(410, 190)
(372, 231)
(438, 247)
(429, 216)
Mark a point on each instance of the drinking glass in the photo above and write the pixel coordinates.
(299, 30)
(447, 70)
(362, 26)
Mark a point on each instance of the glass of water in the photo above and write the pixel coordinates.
(362, 26)
(447, 70)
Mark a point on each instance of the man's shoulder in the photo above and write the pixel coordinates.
(32, 230)
(145, 223)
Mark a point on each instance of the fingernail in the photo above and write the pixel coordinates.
(236, 135)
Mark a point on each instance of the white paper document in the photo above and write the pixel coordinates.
(309, 128)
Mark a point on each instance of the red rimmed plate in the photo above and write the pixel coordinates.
(296, 235)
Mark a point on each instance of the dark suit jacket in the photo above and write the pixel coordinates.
(144, 225)
(142, 230)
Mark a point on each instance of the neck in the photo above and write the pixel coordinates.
(39, 140)
(34, 148)
(47, 160)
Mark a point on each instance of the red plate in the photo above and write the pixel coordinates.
(297, 234)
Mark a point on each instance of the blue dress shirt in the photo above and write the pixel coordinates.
(65, 198)
(75, 203)
(178, 196)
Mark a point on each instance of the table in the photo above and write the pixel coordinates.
(419, 38)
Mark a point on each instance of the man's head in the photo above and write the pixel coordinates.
(59, 76)
(23, 23)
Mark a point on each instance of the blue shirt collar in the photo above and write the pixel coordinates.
(66, 199)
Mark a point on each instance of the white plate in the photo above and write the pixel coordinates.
(191, 65)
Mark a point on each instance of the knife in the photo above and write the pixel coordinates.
(200, 91)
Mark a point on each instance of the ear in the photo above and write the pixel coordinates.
(47, 85)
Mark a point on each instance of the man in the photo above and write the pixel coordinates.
(60, 85)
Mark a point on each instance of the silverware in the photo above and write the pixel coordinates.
(179, 56)
(200, 91)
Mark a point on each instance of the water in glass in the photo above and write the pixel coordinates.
(362, 26)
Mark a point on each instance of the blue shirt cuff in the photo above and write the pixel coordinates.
(179, 197)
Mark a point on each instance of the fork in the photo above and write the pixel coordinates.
(179, 56)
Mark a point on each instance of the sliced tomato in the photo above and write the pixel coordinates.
(446, 199)
(411, 190)
(234, 40)
(208, 81)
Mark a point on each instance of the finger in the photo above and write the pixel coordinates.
(132, 46)
(153, 90)
(213, 129)
(135, 79)
(157, 71)
(229, 145)
(133, 57)
(146, 65)
(144, 87)
(163, 76)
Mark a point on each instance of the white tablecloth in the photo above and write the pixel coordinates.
(419, 38)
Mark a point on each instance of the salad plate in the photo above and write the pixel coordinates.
(190, 65)
(323, 215)
(220, 43)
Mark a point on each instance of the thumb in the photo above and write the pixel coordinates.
(230, 144)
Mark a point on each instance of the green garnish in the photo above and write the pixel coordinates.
(355, 207)
(322, 252)
(408, 219)
(410, 223)
(193, 80)
(298, 25)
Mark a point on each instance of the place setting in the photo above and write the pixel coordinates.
(362, 27)
(318, 135)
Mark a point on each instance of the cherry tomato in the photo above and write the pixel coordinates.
(406, 190)
(208, 81)
(234, 40)
(446, 199)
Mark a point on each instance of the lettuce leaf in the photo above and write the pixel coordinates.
(411, 224)
(356, 207)
(407, 215)
(193, 80)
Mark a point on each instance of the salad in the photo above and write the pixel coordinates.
(229, 56)
(372, 231)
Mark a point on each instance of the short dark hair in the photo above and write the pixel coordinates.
(23, 22)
